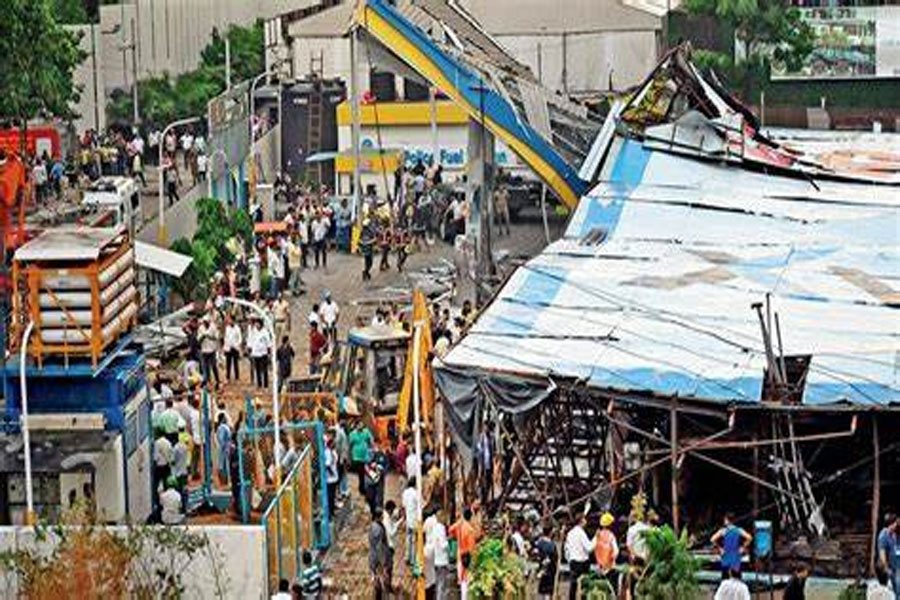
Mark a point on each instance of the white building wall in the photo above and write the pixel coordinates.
(590, 58)
(241, 560)
(109, 480)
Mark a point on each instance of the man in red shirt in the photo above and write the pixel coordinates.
(318, 344)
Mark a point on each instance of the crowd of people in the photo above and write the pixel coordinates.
(119, 151)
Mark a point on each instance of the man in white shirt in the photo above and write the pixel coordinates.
(410, 500)
(412, 465)
(170, 502)
(518, 537)
(320, 227)
(231, 346)
(209, 346)
(578, 550)
(187, 147)
(162, 458)
(39, 176)
(329, 310)
(733, 588)
(137, 142)
(636, 543)
(391, 525)
(260, 344)
(295, 256)
(437, 551)
(276, 271)
(281, 311)
(202, 162)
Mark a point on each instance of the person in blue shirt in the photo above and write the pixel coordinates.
(732, 542)
(889, 552)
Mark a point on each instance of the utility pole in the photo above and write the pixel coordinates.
(94, 69)
(540, 63)
(565, 63)
(478, 195)
(354, 119)
(435, 148)
(227, 62)
(136, 117)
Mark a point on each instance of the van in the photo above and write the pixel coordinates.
(114, 202)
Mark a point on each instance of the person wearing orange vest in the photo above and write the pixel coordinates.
(606, 549)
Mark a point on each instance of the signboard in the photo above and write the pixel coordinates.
(851, 42)
(451, 157)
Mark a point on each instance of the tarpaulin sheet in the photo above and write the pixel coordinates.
(662, 304)
(466, 395)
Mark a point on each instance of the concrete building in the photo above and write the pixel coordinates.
(168, 37)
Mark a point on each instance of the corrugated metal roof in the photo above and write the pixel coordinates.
(663, 304)
(68, 244)
(162, 260)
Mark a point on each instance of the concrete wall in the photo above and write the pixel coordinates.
(592, 61)
(240, 552)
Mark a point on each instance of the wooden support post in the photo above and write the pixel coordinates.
(876, 494)
(673, 438)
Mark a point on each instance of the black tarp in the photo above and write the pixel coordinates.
(468, 392)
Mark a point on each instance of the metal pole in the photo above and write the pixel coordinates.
(270, 327)
(124, 45)
(876, 494)
(161, 218)
(136, 116)
(26, 434)
(673, 442)
(280, 127)
(355, 127)
(94, 69)
(435, 150)
(227, 62)
(544, 211)
(417, 424)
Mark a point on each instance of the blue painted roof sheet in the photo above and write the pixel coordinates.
(663, 303)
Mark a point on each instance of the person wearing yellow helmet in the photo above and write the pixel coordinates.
(606, 549)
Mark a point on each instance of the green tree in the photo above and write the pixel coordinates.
(768, 30)
(70, 12)
(38, 58)
(671, 570)
(164, 98)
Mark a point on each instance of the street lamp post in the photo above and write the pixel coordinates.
(26, 434)
(270, 327)
(161, 218)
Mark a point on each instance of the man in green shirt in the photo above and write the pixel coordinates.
(361, 442)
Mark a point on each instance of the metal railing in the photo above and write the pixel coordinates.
(296, 516)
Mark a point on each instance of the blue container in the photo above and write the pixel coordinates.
(762, 540)
(77, 388)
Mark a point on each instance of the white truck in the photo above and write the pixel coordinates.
(114, 202)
